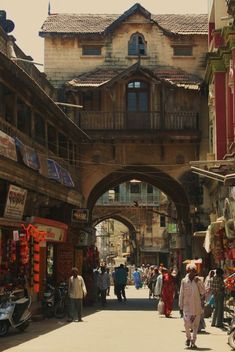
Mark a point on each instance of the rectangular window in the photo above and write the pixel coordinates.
(149, 188)
(91, 50)
(63, 146)
(135, 187)
(71, 158)
(52, 139)
(184, 50)
(75, 151)
(162, 221)
(23, 117)
(40, 129)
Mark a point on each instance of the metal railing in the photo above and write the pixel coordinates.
(129, 199)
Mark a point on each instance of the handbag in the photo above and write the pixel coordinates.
(160, 307)
(207, 310)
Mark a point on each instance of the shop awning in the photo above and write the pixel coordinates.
(11, 223)
(221, 170)
(200, 234)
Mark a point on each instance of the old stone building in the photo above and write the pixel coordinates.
(138, 79)
(39, 184)
(217, 170)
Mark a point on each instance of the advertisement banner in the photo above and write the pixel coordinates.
(15, 203)
(66, 178)
(7, 146)
(28, 154)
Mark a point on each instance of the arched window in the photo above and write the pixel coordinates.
(137, 45)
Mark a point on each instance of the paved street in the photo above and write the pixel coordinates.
(121, 327)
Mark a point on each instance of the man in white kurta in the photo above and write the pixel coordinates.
(191, 290)
(77, 291)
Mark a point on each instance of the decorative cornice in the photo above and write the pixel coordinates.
(214, 64)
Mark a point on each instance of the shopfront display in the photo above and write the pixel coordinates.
(14, 254)
(56, 255)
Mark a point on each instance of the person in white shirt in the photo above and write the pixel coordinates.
(103, 283)
(191, 290)
(76, 291)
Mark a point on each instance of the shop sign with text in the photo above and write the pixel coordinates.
(80, 215)
(55, 231)
(15, 203)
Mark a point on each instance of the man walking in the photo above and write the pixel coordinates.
(218, 290)
(191, 290)
(76, 290)
(103, 283)
(121, 281)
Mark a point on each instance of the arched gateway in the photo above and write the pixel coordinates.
(168, 183)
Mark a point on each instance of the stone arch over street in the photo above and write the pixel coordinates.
(165, 182)
(156, 177)
(125, 221)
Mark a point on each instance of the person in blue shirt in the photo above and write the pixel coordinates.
(121, 281)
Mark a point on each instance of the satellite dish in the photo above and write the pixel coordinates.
(8, 26)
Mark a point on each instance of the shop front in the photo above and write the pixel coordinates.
(14, 250)
(14, 258)
(56, 254)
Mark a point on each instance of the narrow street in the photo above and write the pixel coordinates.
(120, 327)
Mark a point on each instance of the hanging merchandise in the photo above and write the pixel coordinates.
(24, 249)
(230, 282)
(38, 236)
(218, 248)
(11, 251)
(36, 264)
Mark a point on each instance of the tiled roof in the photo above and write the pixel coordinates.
(95, 78)
(178, 77)
(183, 24)
(91, 23)
(104, 75)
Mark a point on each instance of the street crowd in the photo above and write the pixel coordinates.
(195, 295)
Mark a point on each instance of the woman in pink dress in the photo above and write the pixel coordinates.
(168, 292)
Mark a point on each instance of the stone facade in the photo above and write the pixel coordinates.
(110, 65)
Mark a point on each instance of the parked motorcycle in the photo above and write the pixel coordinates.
(14, 313)
(55, 301)
(231, 334)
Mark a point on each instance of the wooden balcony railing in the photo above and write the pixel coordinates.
(152, 120)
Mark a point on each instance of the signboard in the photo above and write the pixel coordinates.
(7, 146)
(55, 231)
(80, 215)
(84, 238)
(15, 203)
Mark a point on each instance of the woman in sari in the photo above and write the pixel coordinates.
(168, 292)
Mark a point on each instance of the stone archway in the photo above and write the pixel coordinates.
(125, 221)
(156, 177)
